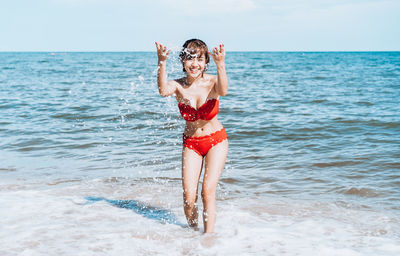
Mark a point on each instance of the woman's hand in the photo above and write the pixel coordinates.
(218, 55)
(162, 52)
(165, 87)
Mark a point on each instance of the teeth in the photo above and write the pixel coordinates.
(194, 70)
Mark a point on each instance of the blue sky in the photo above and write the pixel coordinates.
(242, 25)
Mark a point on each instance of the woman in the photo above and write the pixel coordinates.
(204, 136)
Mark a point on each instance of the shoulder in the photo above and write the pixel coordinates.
(211, 78)
(174, 84)
(178, 85)
(179, 81)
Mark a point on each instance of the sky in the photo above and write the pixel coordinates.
(241, 25)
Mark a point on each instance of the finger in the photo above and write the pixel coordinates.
(168, 52)
(215, 51)
(223, 48)
(158, 46)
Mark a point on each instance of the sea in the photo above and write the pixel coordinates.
(90, 156)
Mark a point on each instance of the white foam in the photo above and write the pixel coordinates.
(84, 218)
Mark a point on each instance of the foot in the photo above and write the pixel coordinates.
(195, 228)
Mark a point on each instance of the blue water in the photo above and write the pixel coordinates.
(320, 126)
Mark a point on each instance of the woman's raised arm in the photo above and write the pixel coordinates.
(218, 56)
(166, 88)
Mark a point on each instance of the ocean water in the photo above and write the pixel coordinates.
(90, 156)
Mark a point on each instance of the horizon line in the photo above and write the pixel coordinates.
(152, 51)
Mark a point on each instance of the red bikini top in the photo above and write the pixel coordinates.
(207, 111)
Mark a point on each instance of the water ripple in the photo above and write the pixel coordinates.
(298, 125)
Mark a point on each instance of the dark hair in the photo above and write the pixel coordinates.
(191, 47)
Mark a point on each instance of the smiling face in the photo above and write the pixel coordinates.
(194, 57)
(195, 64)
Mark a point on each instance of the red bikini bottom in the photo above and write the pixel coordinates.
(201, 145)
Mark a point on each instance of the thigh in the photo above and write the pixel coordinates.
(214, 164)
(192, 164)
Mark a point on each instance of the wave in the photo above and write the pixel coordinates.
(371, 122)
(362, 192)
(8, 169)
(336, 164)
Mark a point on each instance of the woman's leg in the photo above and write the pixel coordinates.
(192, 164)
(214, 164)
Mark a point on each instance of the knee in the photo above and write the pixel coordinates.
(208, 193)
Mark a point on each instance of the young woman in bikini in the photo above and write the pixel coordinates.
(204, 137)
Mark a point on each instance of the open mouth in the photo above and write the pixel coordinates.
(194, 70)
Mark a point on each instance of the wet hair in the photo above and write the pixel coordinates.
(194, 47)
